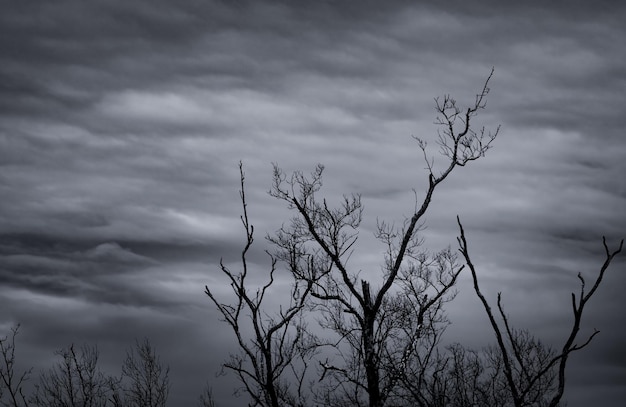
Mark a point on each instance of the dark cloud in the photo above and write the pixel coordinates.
(122, 123)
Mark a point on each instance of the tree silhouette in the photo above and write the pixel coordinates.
(380, 341)
(364, 317)
(145, 381)
(11, 382)
(533, 373)
(76, 381)
(276, 343)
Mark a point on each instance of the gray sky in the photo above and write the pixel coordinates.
(122, 123)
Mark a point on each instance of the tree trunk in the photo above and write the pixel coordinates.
(371, 361)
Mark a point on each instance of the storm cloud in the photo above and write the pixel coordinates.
(122, 125)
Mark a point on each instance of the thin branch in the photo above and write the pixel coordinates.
(508, 370)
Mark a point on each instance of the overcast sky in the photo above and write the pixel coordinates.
(122, 124)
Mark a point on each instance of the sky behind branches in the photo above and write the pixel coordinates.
(122, 125)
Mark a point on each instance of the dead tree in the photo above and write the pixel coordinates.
(385, 347)
(268, 365)
(531, 373)
(207, 399)
(145, 380)
(11, 382)
(353, 307)
(76, 381)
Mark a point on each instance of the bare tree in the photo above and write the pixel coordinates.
(145, 380)
(11, 382)
(381, 341)
(206, 399)
(272, 352)
(352, 307)
(532, 373)
(75, 381)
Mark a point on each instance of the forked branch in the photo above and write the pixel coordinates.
(519, 362)
(273, 346)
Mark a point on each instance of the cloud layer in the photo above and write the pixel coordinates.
(122, 123)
